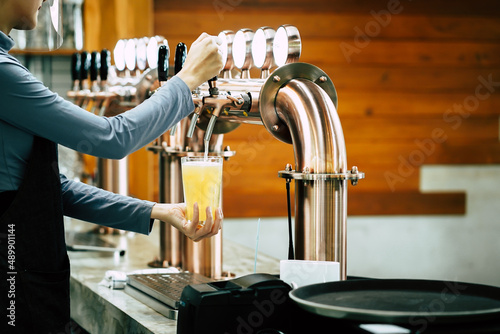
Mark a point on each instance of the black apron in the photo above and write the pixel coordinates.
(33, 259)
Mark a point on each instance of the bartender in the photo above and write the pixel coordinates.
(34, 196)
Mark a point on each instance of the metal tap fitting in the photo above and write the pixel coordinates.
(197, 111)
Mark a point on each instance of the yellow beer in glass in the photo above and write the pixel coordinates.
(202, 181)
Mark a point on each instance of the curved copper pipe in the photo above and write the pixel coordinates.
(318, 141)
(314, 126)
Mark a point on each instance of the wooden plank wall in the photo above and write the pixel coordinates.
(107, 21)
(418, 83)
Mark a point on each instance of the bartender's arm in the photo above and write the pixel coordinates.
(29, 106)
(95, 205)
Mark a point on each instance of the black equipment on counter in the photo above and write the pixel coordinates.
(263, 304)
(162, 292)
(255, 303)
(166, 288)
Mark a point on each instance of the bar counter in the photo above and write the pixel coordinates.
(99, 309)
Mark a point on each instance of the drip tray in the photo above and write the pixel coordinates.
(162, 292)
(90, 241)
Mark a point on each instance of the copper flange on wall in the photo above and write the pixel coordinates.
(278, 79)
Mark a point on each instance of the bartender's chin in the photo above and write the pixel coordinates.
(27, 24)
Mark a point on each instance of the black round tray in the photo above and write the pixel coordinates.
(401, 301)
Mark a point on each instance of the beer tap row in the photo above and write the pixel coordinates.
(97, 84)
(142, 64)
(235, 97)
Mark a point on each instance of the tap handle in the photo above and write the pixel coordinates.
(95, 65)
(76, 64)
(105, 64)
(212, 86)
(180, 57)
(84, 69)
(163, 55)
(212, 82)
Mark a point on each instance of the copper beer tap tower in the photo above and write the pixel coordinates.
(297, 104)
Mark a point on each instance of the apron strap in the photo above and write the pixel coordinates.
(34, 263)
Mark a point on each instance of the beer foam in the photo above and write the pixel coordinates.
(202, 163)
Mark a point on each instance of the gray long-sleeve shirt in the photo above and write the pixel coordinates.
(28, 108)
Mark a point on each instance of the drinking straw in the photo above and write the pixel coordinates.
(256, 246)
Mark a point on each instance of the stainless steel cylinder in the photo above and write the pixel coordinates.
(204, 257)
(113, 175)
(320, 221)
(171, 239)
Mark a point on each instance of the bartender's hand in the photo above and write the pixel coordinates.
(175, 215)
(203, 62)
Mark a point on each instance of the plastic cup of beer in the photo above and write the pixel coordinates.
(202, 181)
